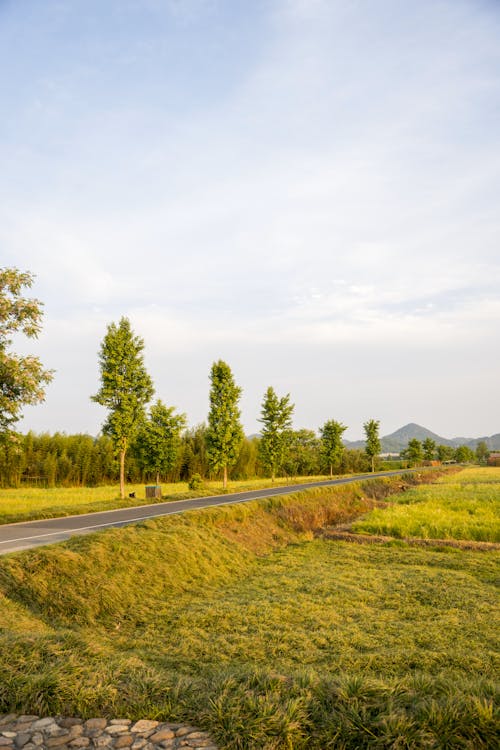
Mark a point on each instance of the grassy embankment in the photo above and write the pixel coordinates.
(30, 503)
(240, 620)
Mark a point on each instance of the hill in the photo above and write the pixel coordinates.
(399, 439)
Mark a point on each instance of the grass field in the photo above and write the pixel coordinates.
(240, 620)
(459, 506)
(29, 503)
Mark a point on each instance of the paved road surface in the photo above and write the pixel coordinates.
(25, 535)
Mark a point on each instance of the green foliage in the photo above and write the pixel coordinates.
(196, 482)
(482, 452)
(429, 448)
(445, 452)
(301, 457)
(413, 453)
(331, 443)
(22, 379)
(125, 388)
(276, 418)
(372, 446)
(158, 441)
(225, 433)
(464, 455)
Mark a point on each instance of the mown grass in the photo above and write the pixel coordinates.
(30, 503)
(237, 619)
(463, 506)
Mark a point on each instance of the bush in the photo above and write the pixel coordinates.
(196, 482)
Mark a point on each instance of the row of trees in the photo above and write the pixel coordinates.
(126, 388)
(427, 450)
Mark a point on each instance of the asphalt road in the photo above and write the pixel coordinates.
(15, 537)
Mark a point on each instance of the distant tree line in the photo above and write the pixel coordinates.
(418, 452)
(50, 460)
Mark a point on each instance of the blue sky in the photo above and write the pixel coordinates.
(309, 190)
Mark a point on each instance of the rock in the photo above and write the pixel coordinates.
(80, 742)
(163, 734)
(69, 722)
(144, 725)
(127, 722)
(57, 741)
(124, 740)
(43, 723)
(95, 724)
(21, 739)
(116, 729)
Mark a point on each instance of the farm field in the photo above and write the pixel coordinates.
(241, 620)
(459, 506)
(30, 503)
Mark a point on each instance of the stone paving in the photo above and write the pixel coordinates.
(59, 733)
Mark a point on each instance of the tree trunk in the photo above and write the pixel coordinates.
(224, 480)
(122, 471)
(331, 471)
(157, 477)
(373, 464)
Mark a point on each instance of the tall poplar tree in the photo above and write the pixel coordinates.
(225, 433)
(331, 443)
(372, 447)
(276, 416)
(125, 388)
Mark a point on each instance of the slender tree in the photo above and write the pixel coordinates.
(372, 446)
(158, 441)
(125, 388)
(331, 443)
(225, 433)
(22, 379)
(276, 416)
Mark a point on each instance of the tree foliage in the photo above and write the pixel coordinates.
(445, 452)
(331, 443)
(372, 447)
(158, 441)
(125, 388)
(464, 455)
(482, 452)
(429, 448)
(276, 417)
(413, 452)
(22, 379)
(225, 433)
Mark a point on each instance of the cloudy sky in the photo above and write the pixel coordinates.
(307, 189)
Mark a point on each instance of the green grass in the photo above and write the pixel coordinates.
(463, 506)
(239, 620)
(29, 503)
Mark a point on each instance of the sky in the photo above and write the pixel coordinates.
(306, 189)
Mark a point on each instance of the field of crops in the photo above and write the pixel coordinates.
(460, 506)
